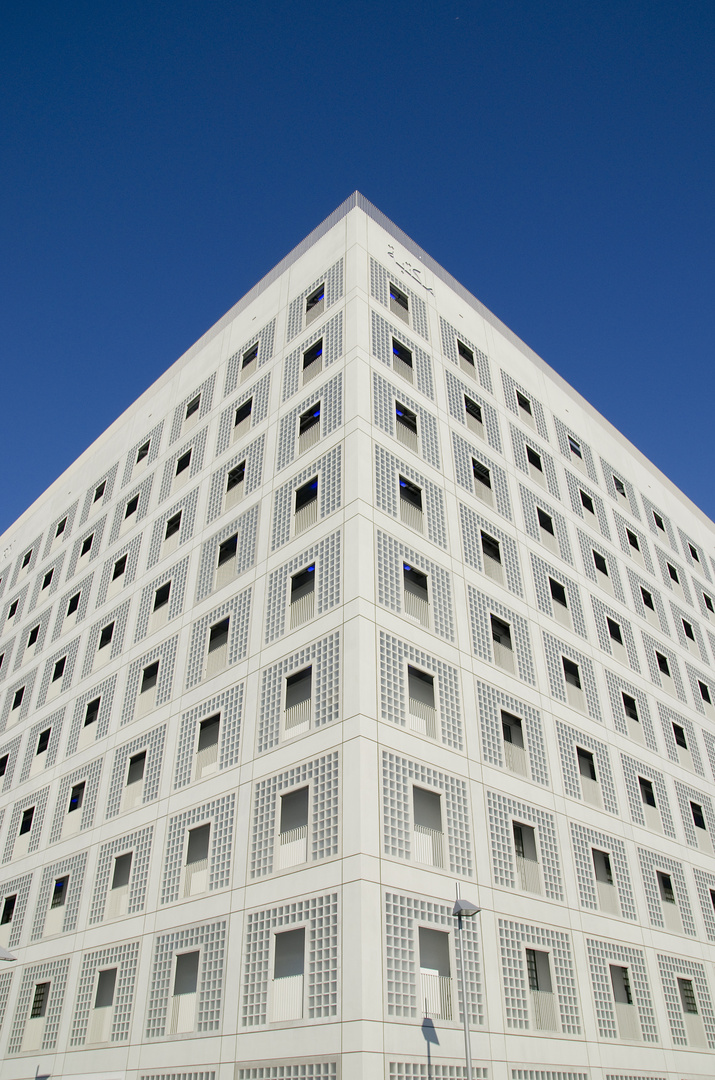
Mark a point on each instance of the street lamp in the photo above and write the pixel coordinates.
(464, 909)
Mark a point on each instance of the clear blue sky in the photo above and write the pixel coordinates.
(157, 159)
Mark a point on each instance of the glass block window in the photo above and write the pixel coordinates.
(624, 527)
(563, 434)
(584, 840)
(165, 654)
(652, 647)
(320, 917)
(576, 486)
(210, 939)
(705, 885)
(15, 603)
(264, 339)
(153, 743)
(10, 751)
(21, 709)
(330, 397)
(153, 438)
(383, 335)
(569, 741)
(666, 561)
(186, 506)
(385, 398)
(238, 609)
(502, 810)
(404, 915)
(472, 525)
(41, 624)
(449, 337)
(122, 957)
(395, 655)
(632, 770)
(398, 778)
(687, 795)
(54, 723)
(659, 523)
(650, 863)
(333, 281)
(8, 646)
(530, 505)
(465, 453)
(619, 488)
(513, 938)
(140, 844)
(669, 717)
(492, 700)
(175, 574)
(388, 470)
(20, 888)
(99, 493)
(542, 571)
(601, 614)
(220, 814)
(74, 867)
(54, 972)
(90, 774)
(481, 609)
(259, 396)
(105, 692)
(331, 336)
(80, 589)
(520, 443)
(555, 650)
(588, 547)
(416, 1070)
(324, 658)
(639, 586)
(66, 520)
(680, 617)
(326, 557)
(118, 616)
(670, 968)
(380, 279)
(510, 387)
(328, 469)
(603, 953)
(617, 686)
(323, 778)
(300, 1070)
(702, 687)
(196, 447)
(130, 553)
(391, 559)
(206, 392)
(229, 706)
(38, 799)
(252, 456)
(557, 1074)
(44, 588)
(456, 393)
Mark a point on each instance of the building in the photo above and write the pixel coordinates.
(359, 604)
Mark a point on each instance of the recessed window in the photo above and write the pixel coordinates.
(315, 304)
(44, 741)
(309, 427)
(193, 406)
(406, 426)
(59, 892)
(465, 353)
(619, 486)
(482, 474)
(600, 563)
(647, 792)
(587, 502)
(665, 887)
(249, 356)
(150, 677)
(173, 525)
(59, 668)
(698, 816)
(704, 692)
(688, 630)
(679, 736)
(227, 549)
(61, 527)
(673, 573)
(183, 462)
(131, 507)
(76, 797)
(143, 451)
(647, 599)
(687, 996)
(693, 552)
(119, 567)
(571, 672)
(534, 458)
(313, 355)
(410, 493)
(39, 1001)
(401, 358)
(545, 521)
(86, 545)
(662, 662)
(630, 707)
(302, 595)
(523, 403)
(235, 476)
(708, 602)
(161, 596)
(416, 595)
(99, 491)
(614, 631)
(92, 712)
(12, 609)
(3, 764)
(106, 635)
(586, 764)
(26, 822)
(26, 559)
(633, 540)
(474, 413)
(218, 635)
(306, 503)
(575, 447)
(491, 547)
(73, 603)
(243, 412)
(658, 521)
(8, 909)
(17, 698)
(399, 304)
(558, 592)
(47, 579)
(33, 636)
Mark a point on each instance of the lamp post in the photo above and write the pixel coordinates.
(464, 909)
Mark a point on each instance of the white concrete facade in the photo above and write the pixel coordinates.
(430, 622)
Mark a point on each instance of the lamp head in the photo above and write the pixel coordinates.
(466, 908)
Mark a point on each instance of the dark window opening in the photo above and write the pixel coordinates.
(665, 886)
(575, 447)
(481, 473)
(410, 493)
(119, 567)
(545, 521)
(662, 663)
(704, 692)
(688, 630)
(26, 822)
(86, 545)
(47, 578)
(193, 406)
(658, 521)
(59, 668)
(183, 462)
(12, 609)
(92, 712)
(59, 892)
(693, 552)
(44, 741)
(708, 602)
(534, 459)
(137, 765)
(630, 707)
(17, 699)
(647, 599)
(249, 356)
(73, 604)
(571, 672)
(3, 764)
(679, 736)
(406, 417)
(33, 636)
(620, 486)
(302, 583)
(132, 506)
(586, 764)
(558, 592)
(150, 677)
(398, 297)
(26, 558)
(315, 297)
(8, 909)
(173, 525)
(236, 476)
(401, 353)
(587, 502)
(227, 549)
(698, 816)
(633, 540)
(415, 581)
(218, 635)
(673, 573)
(99, 491)
(491, 547)
(39, 1000)
(309, 419)
(473, 409)
(313, 354)
(647, 792)
(243, 412)
(614, 631)
(76, 797)
(61, 527)
(161, 596)
(142, 452)
(106, 636)
(600, 563)
(501, 632)
(523, 403)
(465, 353)
(306, 493)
